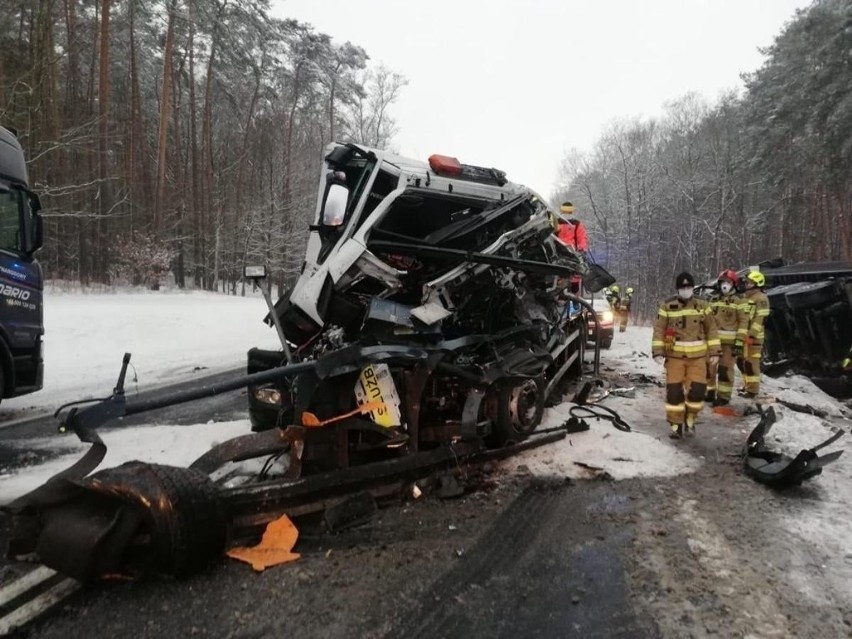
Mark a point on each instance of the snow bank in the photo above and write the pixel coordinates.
(172, 335)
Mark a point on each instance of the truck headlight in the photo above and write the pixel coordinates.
(268, 396)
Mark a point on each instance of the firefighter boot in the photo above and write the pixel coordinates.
(710, 396)
(721, 401)
(689, 427)
(677, 431)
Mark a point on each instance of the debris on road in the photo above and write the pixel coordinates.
(777, 469)
(275, 547)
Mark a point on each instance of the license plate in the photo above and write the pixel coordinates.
(375, 384)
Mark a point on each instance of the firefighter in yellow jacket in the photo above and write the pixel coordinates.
(729, 311)
(756, 306)
(685, 338)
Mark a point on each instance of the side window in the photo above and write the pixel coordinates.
(384, 184)
(10, 220)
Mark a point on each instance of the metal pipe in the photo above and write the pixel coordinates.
(267, 295)
(584, 303)
(210, 390)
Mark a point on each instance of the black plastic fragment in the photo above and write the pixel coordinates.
(777, 469)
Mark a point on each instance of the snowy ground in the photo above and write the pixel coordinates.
(647, 451)
(172, 336)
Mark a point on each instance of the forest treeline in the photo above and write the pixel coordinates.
(753, 177)
(180, 134)
(187, 135)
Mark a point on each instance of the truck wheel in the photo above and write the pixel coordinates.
(812, 294)
(194, 531)
(182, 514)
(520, 406)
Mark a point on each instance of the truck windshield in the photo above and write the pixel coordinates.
(11, 208)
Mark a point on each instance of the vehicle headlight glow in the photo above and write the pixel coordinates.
(606, 316)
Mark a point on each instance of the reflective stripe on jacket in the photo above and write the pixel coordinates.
(685, 329)
(731, 317)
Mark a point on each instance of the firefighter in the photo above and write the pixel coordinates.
(685, 338)
(749, 354)
(625, 309)
(613, 297)
(729, 311)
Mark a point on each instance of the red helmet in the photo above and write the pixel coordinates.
(729, 275)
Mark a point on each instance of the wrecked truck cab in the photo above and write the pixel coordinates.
(451, 265)
(389, 198)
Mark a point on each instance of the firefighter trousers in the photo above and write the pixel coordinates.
(720, 377)
(749, 364)
(686, 384)
(622, 326)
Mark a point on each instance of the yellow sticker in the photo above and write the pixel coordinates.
(375, 385)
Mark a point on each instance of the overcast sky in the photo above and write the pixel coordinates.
(514, 85)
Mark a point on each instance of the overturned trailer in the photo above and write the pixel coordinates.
(809, 328)
(432, 321)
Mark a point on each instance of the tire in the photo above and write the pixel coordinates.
(606, 343)
(181, 514)
(813, 294)
(194, 531)
(520, 406)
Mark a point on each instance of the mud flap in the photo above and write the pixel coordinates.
(779, 470)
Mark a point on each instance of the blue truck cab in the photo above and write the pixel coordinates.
(21, 282)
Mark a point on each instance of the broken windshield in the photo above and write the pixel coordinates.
(441, 219)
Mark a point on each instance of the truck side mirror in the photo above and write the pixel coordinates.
(335, 201)
(36, 238)
(38, 232)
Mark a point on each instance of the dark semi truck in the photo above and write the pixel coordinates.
(21, 284)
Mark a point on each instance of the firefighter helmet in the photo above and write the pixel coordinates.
(684, 279)
(614, 288)
(758, 278)
(629, 290)
(729, 275)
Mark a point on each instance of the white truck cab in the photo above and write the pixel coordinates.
(377, 213)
